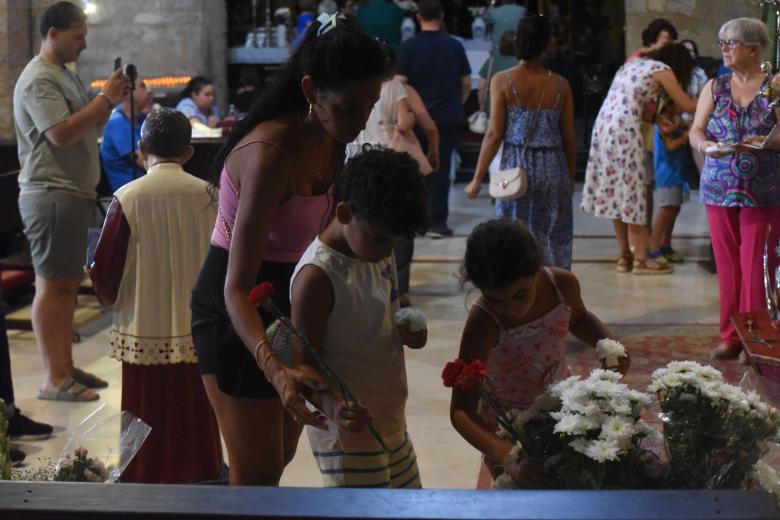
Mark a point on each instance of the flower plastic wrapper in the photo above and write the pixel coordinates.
(767, 469)
(101, 446)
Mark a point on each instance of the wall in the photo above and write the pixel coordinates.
(161, 37)
(698, 20)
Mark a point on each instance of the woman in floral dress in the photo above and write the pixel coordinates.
(615, 178)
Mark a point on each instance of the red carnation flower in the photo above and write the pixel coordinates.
(261, 292)
(451, 372)
(472, 375)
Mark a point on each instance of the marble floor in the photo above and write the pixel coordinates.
(689, 296)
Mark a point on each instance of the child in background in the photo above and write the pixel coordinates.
(344, 296)
(152, 245)
(671, 190)
(518, 328)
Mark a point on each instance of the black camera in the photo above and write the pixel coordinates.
(130, 70)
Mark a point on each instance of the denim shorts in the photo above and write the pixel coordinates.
(55, 224)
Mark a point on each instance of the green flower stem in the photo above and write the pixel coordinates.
(346, 394)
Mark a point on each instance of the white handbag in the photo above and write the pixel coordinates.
(512, 184)
(509, 184)
(478, 122)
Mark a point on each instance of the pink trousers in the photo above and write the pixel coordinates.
(738, 242)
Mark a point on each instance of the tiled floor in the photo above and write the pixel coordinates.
(688, 296)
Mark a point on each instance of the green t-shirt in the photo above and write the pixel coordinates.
(44, 96)
(500, 62)
(503, 18)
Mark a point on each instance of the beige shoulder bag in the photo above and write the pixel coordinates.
(512, 184)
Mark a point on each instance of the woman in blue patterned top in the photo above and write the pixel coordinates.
(740, 186)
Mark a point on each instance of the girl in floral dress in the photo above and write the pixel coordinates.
(518, 328)
(615, 177)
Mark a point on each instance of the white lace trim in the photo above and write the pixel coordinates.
(138, 350)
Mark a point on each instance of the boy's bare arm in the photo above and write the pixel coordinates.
(312, 302)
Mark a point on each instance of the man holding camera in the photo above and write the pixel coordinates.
(57, 129)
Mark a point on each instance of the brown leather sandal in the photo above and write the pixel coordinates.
(624, 264)
(641, 267)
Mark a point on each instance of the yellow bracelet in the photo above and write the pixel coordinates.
(257, 346)
(264, 363)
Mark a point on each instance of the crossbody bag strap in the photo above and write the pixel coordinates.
(532, 128)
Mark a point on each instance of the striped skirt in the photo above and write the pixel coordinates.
(397, 469)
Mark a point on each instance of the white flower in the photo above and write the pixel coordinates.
(610, 350)
(503, 481)
(621, 405)
(600, 374)
(411, 319)
(580, 445)
(573, 424)
(560, 387)
(617, 427)
(602, 450)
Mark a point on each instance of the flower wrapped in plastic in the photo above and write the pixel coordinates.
(715, 433)
(101, 446)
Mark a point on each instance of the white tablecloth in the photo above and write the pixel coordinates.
(259, 55)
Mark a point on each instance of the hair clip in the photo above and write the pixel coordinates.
(327, 23)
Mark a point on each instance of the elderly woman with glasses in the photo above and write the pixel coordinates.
(740, 186)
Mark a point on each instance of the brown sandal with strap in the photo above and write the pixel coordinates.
(624, 264)
(641, 267)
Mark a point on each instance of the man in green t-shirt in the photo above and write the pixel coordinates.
(503, 18)
(56, 131)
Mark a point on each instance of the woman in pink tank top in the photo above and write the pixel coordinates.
(518, 328)
(275, 174)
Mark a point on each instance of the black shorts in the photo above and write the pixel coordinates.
(220, 350)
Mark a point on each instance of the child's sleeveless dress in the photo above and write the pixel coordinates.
(527, 358)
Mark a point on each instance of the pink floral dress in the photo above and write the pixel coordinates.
(527, 358)
(614, 181)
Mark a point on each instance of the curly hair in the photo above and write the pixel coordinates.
(385, 188)
(499, 252)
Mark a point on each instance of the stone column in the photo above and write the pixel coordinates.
(698, 20)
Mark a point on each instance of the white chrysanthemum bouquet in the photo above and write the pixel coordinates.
(588, 433)
(714, 432)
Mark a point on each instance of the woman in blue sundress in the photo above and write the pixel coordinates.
(533, 112)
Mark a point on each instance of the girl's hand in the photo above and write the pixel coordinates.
(472, 189)
(527, 472)
(352, 416)
(290, 383)
(413, 339)
(433, 159)
(624, 363)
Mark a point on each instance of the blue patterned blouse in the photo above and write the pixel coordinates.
(745, 179)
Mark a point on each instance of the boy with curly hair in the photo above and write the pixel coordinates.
(344, 296)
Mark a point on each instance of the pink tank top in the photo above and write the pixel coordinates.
(297, 221)
(527, 358)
